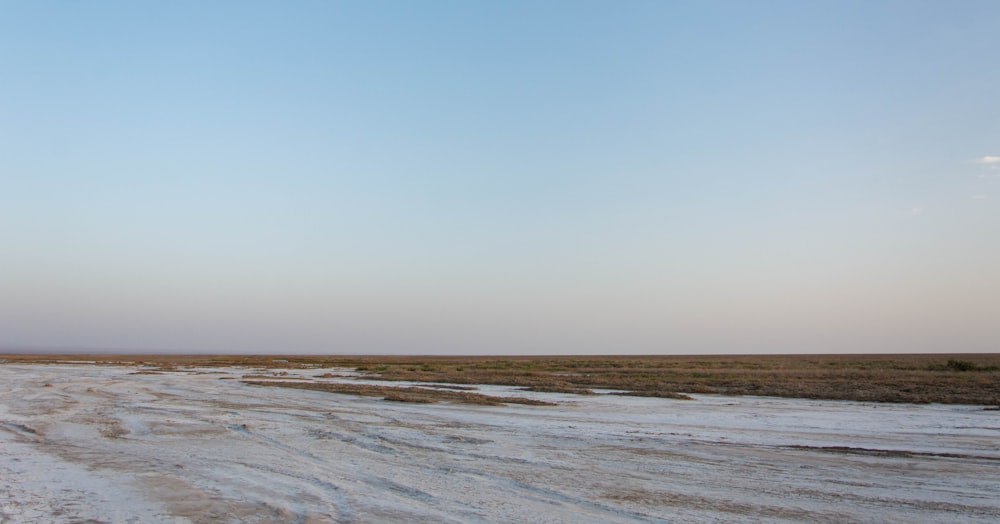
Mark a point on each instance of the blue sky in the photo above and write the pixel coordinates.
(514, 177)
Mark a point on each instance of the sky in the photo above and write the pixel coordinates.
(447, 177)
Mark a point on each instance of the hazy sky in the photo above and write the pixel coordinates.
(500, 177)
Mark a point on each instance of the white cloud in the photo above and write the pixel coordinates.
(988, 159)
(980, 197)
(916, 211)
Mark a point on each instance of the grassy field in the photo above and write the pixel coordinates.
(943, 378)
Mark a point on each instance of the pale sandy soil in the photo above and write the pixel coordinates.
(83, 443)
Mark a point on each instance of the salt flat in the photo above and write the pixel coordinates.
(103, 444)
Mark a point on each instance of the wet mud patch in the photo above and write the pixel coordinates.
(711, 504)
(892, 453)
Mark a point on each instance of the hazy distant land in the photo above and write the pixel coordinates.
(919, 378)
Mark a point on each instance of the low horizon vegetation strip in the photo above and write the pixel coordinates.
(916, 378)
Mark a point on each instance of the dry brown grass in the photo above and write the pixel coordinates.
(402, 394)
(945, 378)
(659, 394)
(560, 388)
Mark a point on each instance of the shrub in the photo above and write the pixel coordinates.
(961, 365)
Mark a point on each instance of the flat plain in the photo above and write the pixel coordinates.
(127, 438)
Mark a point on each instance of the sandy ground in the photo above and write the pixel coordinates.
(83, 443)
